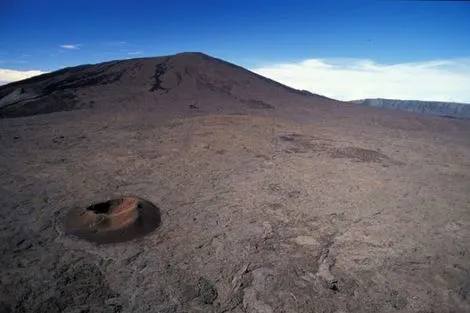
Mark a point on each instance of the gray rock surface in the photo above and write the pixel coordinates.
(305, 205)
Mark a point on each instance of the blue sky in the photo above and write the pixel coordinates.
(47, 35)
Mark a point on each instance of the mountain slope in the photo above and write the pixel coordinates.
(447, 109)
(145, 82)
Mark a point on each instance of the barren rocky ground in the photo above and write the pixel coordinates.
(320, 207)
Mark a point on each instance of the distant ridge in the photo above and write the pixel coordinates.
(445, 109)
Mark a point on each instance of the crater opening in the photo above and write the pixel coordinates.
(101, 208)
(112, 221)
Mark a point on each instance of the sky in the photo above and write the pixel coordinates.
(341, 49)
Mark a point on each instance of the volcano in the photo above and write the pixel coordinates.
(173, 83)
(258, 197)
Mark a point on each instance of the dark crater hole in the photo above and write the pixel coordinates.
(102, 208)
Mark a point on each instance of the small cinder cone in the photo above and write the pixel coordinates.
(115, 220)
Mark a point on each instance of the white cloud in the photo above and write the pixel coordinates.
(351, 79)
(70, 46)
(134, 52)
(8, 76)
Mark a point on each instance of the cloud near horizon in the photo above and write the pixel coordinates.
(352, 79)
(9, 76)
(70, 46)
